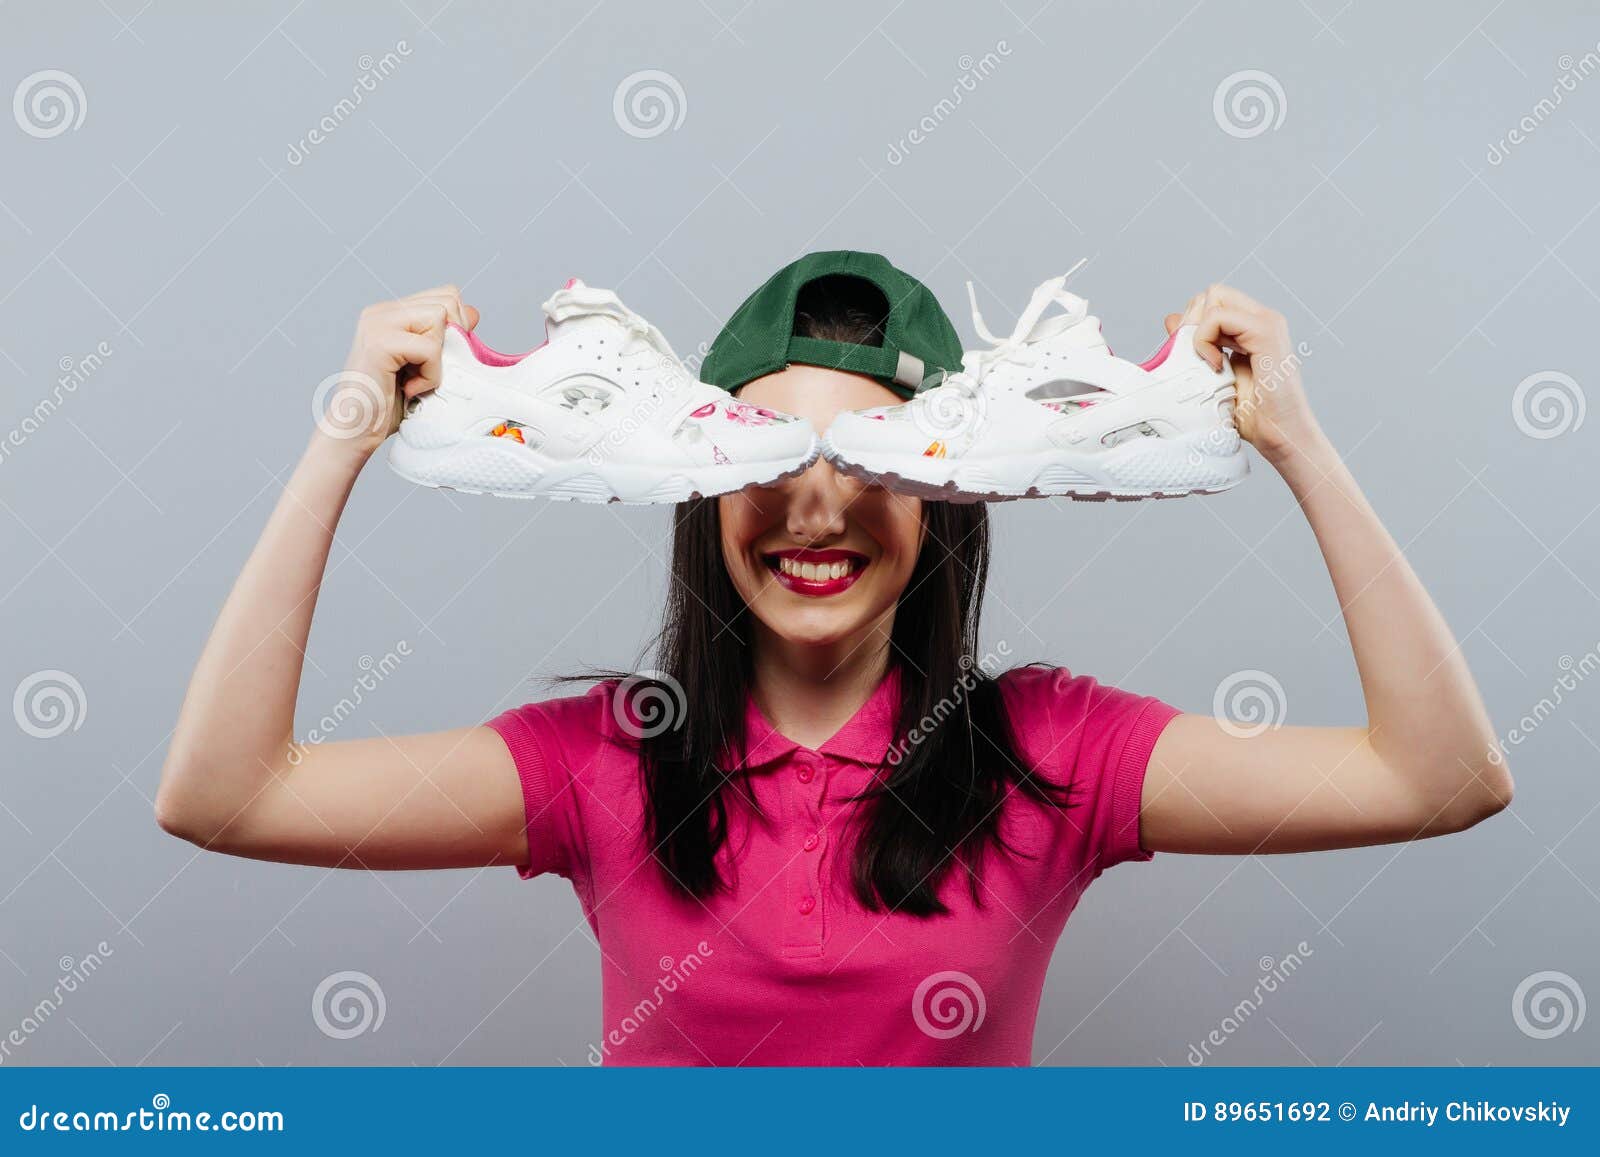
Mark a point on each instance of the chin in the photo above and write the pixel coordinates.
(815, 629)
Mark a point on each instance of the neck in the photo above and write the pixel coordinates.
(808, 692)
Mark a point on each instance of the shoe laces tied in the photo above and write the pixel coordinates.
(1032, 326)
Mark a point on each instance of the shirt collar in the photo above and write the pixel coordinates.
(864, 738)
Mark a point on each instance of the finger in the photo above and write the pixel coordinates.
(424, 317)
(1221, 326)
(471, 315)
(422, 355)
(1173, 321)
(447, 295)
(449, 292)
(1191, 312)
(454, 311)
(1227, 297)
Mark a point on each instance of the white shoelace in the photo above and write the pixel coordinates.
(1031, 326)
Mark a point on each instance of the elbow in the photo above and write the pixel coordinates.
(179, 813)
(1487, 792)
(176, 819)
(1502, 789)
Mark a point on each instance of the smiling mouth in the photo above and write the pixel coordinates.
(816, 573)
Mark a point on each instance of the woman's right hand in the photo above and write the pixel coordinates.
(234, 779)
(394, 357)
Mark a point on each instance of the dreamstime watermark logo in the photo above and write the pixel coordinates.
(674, 973)
(370, 73)
(1569, 73)
(954, 408)
(694, 361)
(988, 666)
(348, 1004)
(649, 704)
(49, 703)
(1249, 703)
(373, 673)
(1249, 103)
(972, 73)
(1548, 1004)
(1274, 973)
(1270, 375)
(649, 103)
(1548, 404)
(647, 407)
(947, 1004)
(73, 974)
(156, 1119)
(1574, 672)
(49, 103)
(74, 372)
(349, 404)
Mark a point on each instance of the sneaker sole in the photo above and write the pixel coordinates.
(480, 466)
(1177, 469)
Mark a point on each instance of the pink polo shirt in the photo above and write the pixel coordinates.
(787, 967)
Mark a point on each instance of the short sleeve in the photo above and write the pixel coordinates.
(1097, 741)
(552, 744)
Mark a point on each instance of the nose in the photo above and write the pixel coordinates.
(817, 501)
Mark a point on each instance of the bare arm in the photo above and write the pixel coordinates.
(1426, 762)
(234, 780)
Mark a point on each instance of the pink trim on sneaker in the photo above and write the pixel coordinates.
(486, 355)
(1161, 354)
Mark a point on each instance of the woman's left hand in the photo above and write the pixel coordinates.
(1272, 412)
(1425, 762)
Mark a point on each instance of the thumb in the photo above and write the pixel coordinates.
(470, 315)
(1173, 320)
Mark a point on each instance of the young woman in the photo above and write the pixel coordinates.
(851, 840)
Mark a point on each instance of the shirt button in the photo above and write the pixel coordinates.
(805, 905)
(805, 773)
(811, 843)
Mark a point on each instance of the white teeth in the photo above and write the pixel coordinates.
(814, 572)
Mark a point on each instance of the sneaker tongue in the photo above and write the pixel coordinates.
(1088, 335)
(575, 301)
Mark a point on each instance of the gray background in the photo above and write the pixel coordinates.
(171, 225)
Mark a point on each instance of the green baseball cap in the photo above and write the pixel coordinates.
(918, 340)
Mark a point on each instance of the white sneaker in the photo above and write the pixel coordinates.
(1050, 411)
(603, 411)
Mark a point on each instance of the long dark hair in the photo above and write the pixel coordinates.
(937, 803)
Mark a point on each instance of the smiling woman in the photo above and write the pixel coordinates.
(824, 794)
(807, 593)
